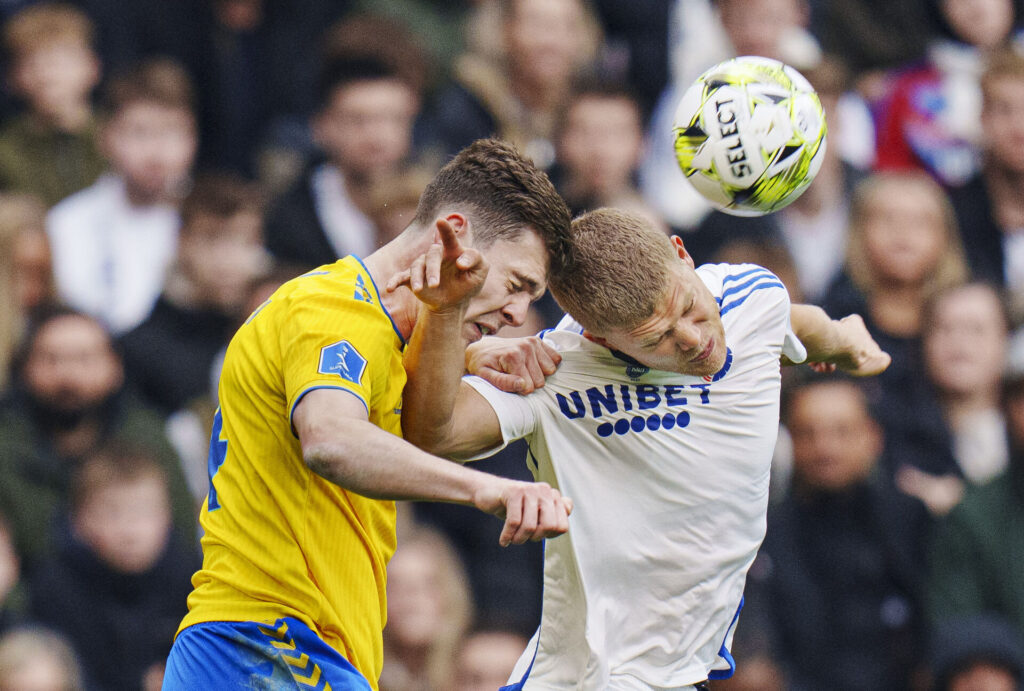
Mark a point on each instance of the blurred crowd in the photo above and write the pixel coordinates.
(164, 166)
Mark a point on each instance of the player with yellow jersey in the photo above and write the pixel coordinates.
(306, 456)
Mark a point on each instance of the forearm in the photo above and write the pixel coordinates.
(376, 464)
(817, 331)
(434, 362)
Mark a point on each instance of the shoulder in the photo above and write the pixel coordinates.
(91, 198)
(733, 285)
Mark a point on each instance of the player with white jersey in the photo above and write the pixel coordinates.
(660, 421)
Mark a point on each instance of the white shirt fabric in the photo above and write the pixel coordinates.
(348, 229)
(670, 477)
(110, 258)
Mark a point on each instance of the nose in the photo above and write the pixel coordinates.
(688, 335)
(515, 311)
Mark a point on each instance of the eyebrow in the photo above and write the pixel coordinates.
(535, 289)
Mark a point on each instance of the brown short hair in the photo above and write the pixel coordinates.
(222, 195)
(45, 24)
(1004, 64)
(598, 284)
(160, 80)
(116, 463)
(502, 192)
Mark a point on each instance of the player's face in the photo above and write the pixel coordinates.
(685, 333)
(515, 279)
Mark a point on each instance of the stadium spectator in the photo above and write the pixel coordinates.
(599, 144)
(429, 610)
(929, 117)
(67, 399)
(902, 247)
(957, 433)
(485, 659)
(990, 206)
(169, 356)
(114, 241)
(26, 278)
(836, 586)
(37, 659)
(13, 594)
(51, 149)
(364, 127)
(516, 94)
(117, 584)
(975, 557)
(977, 653)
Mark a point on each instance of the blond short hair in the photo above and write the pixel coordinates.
(46, 24)
(951, 268)
(615, 271)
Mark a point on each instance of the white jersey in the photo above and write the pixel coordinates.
(669, 474)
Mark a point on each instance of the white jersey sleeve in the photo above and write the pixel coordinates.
(516, 413)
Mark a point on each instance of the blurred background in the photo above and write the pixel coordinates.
(164, 166)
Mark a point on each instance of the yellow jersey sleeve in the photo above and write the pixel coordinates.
(334, 340)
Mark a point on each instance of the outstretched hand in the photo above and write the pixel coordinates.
(447, 275)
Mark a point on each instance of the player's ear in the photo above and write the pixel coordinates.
(677, 243)
(459, 223)
(596, 339)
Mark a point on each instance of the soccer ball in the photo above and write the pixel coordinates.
(750, 135)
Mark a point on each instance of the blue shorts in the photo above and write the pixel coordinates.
(247, 655)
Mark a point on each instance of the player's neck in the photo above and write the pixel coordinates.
(390, 259)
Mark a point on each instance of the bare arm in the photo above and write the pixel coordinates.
(440, 413)
(341, 445)
(844, 343)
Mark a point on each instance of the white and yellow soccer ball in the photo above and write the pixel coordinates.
(750, 135)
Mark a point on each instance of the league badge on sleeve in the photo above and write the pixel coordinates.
(343, 359)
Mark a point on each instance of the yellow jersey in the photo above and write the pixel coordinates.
(279, 540)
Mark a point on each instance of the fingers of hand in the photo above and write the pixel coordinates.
(548, 357)
(535, 511)
(513, 518)
(509, 383)
(398, 280)
(432, 270)
(416, 274)
(530, 517)
(449, 238)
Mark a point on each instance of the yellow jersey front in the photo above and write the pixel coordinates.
(279, 540)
